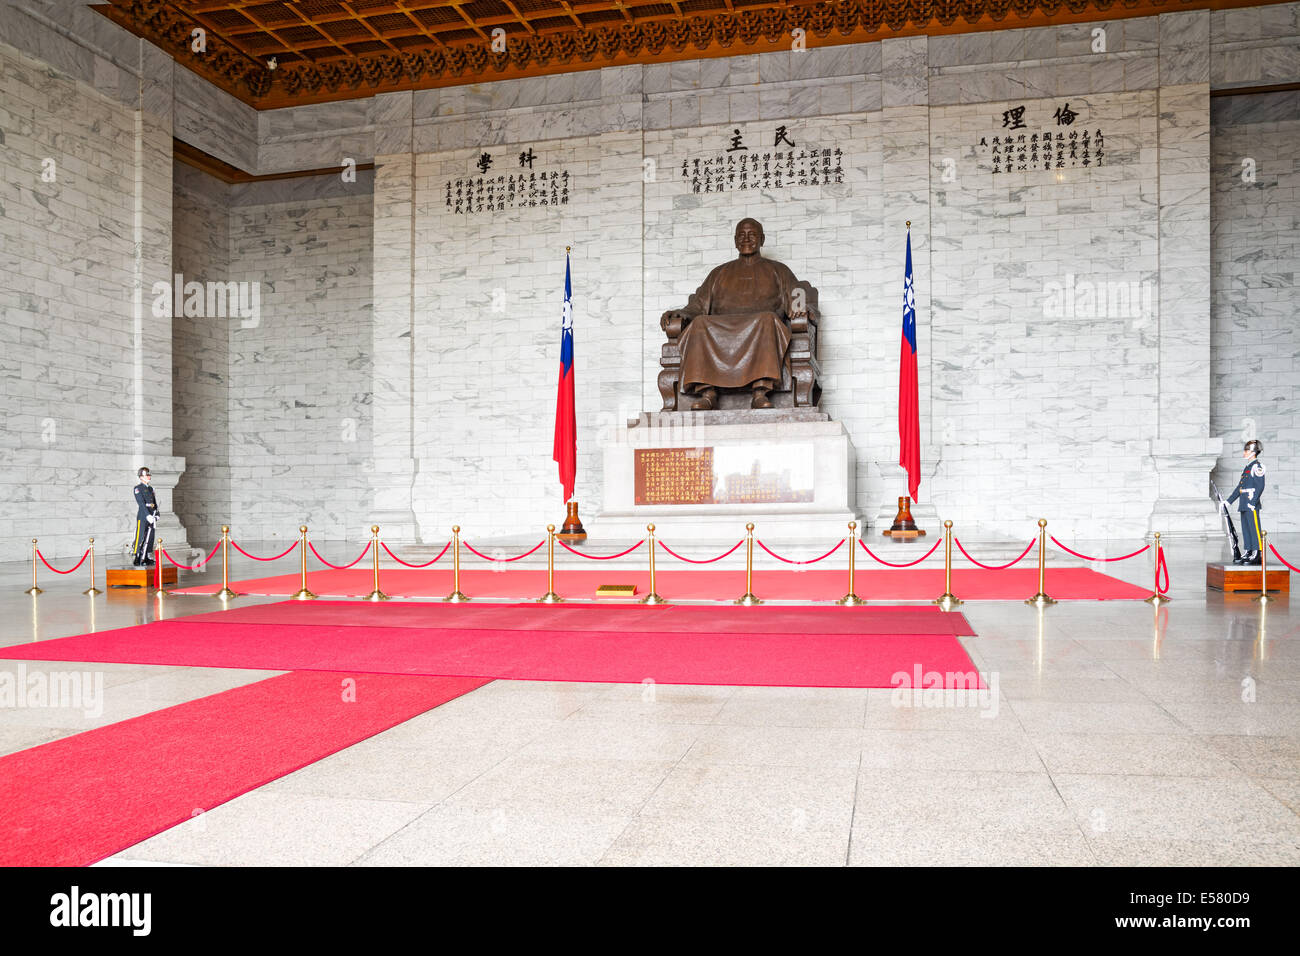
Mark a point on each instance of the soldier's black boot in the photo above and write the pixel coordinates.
(1252, 559)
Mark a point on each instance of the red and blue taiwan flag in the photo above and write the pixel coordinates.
(909, 405)
(566, 416)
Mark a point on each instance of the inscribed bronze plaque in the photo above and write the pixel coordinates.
(726, 475)
(674, 476)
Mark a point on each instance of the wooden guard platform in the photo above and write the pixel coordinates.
(138, 577)
(1235, 577)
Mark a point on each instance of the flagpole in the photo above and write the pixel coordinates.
(571, 529)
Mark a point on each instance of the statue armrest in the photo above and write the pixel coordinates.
(803, 306)
(672, 324)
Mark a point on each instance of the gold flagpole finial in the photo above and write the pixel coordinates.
(567, 248)
(909, 224)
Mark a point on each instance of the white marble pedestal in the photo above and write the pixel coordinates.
(814, 451)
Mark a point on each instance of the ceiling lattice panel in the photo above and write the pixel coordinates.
(335, 49)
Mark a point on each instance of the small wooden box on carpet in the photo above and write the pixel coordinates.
(1238, 577)
(138, 577)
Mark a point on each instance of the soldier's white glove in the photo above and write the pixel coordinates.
(152, 519)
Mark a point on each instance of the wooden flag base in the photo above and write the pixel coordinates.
(572, 529)
(904, 526)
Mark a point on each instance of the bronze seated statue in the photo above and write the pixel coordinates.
(748, 336)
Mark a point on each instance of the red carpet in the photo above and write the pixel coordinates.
(969, 584)
(630, 653)
(673, 618)
(77, 800)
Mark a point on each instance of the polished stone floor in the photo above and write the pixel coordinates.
(1118, 736)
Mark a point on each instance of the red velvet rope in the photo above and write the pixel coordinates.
(336, 567)
(1283, 560)
(701, 560)
(910, 563)
(601, 557)
(56, 570)
(515, 558)
(1122, 557)
(191, 567)
(408, 564)
(809, 561)
(256, 558)
(992, 567)
(1162, 568)
(195, 566)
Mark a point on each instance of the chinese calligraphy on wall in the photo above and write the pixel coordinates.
(526, 189)
(785, 164)
(1018, 147)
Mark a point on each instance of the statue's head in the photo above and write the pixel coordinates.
(749, 236)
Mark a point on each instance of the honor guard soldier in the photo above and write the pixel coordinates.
(1249, 490)
(146, 520)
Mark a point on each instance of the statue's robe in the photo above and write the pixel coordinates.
(737, 334)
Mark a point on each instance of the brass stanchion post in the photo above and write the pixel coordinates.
(34, 590)
(158, 591)
(92, 589)
(376, 594)
(225, 593)
(851, 599)
(1263, 570)
(302, 594)
(653, 597)
(550, 597)
(947, 600)
(748, 599)
(456, 596)
(1156, 599)
(1041, 599)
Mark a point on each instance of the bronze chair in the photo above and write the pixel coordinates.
(799, 386)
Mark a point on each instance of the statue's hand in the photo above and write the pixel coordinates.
(673, 321)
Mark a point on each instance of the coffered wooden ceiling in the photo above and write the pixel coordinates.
(338, 49)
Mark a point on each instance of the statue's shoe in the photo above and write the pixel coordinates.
(705, 402)
(760, 401)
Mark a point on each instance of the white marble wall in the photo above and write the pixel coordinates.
(484, 380)
(1256, 300)
(201, 356)
(300, 411)
(1036, 406)
(85, 367)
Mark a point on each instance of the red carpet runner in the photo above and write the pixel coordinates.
(821, 647)
(77, 800)
(969, 584)
(673, 618)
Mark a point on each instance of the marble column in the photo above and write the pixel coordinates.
(394, 466)
(1183, 452)
(152, 262)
